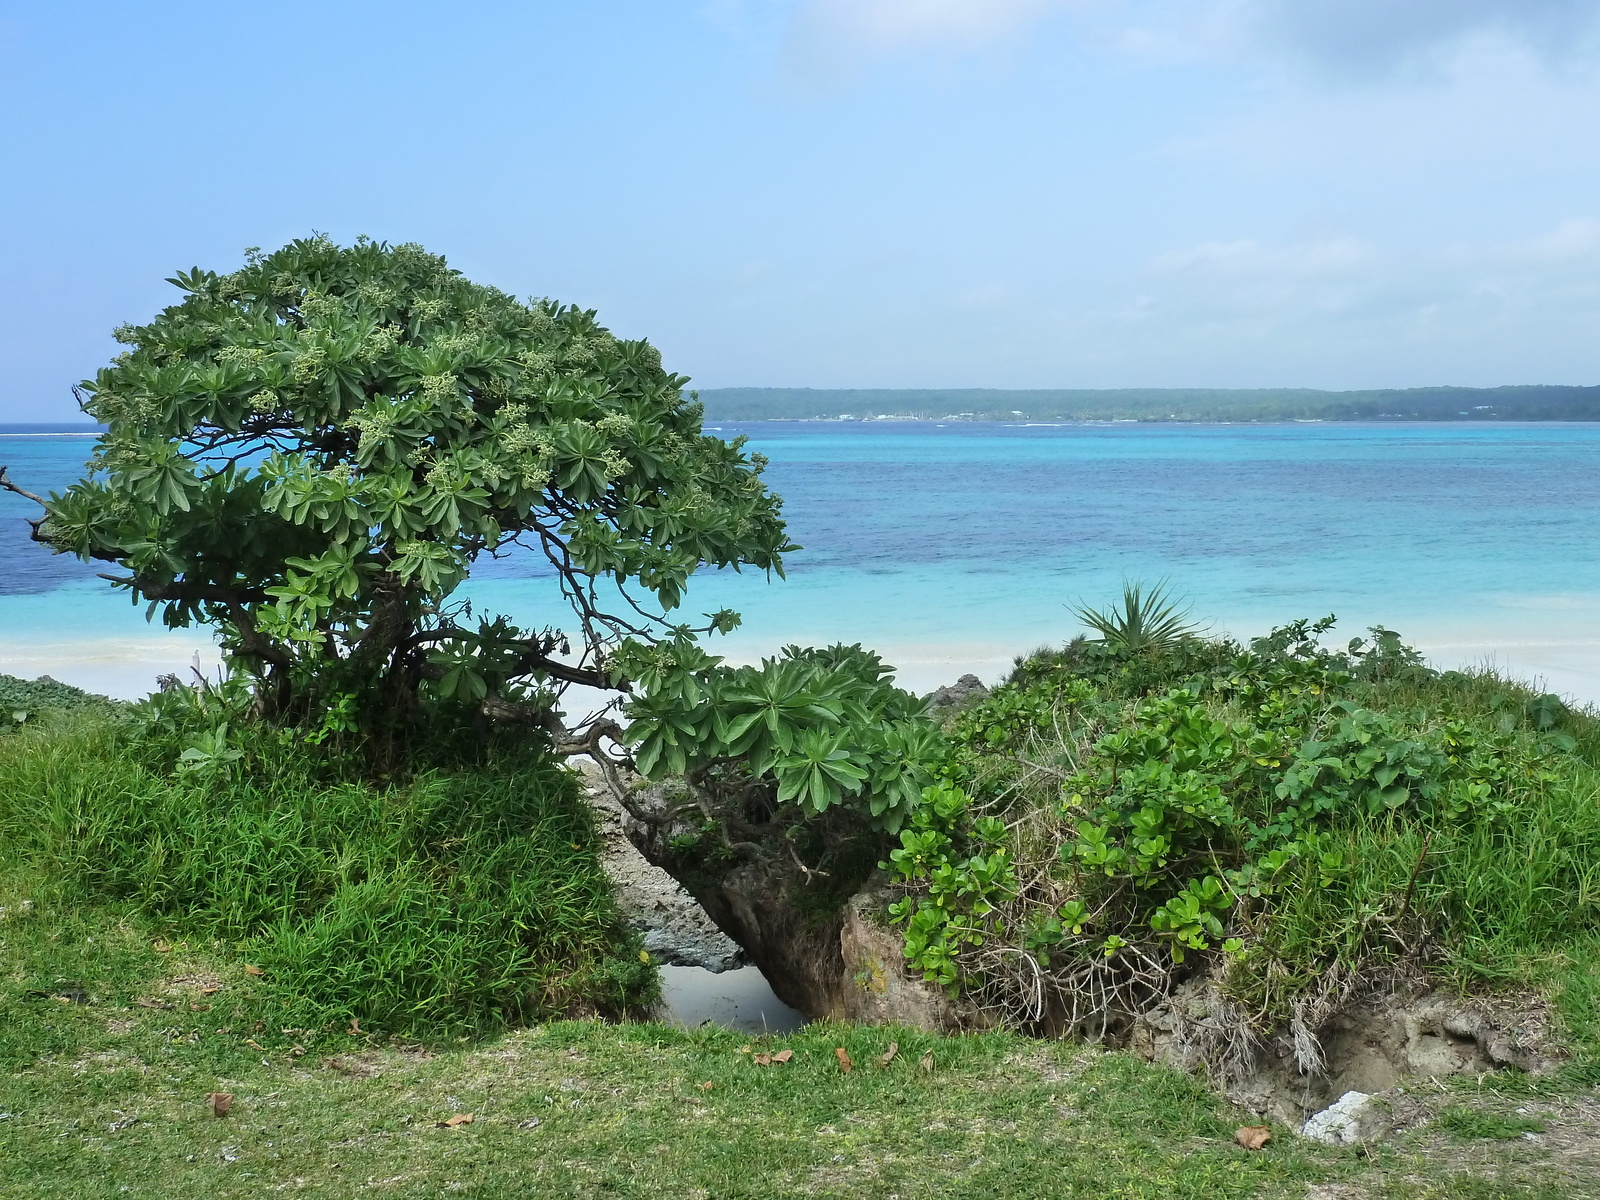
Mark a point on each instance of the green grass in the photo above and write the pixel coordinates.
(1499, 1127)
(135, 899)
(108, 1099)
(456, 901)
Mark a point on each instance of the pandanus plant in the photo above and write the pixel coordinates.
(1144, 620)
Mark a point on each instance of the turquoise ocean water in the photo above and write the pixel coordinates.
(953, 547)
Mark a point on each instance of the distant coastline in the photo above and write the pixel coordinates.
(80, 429)
(1522, 402)
(1544, 402)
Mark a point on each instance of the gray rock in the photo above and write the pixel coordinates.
(954, 697)
(1352, 1119)
(676, 929)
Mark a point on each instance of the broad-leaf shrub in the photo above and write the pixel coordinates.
(820, 729)
(1101, 809)
(962, 870)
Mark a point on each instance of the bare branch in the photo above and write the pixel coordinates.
(5, 482)
(188, 590)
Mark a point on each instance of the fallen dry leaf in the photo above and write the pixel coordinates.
(1253, 1137)
(221, 1103)
(458, 1119)
(887, 1057)
(210, 991)
(355, 1025)
(707, 1086)
(843, 1056)
(744, 1049)
(253, 1043)
(252, 969)
(297, 1051)
(193, 1007)
(783, 1056)
(161, 947)
(926, 1061)
(146, 1002)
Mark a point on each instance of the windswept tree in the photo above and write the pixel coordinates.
(310, 452)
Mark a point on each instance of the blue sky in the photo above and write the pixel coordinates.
(875, 193)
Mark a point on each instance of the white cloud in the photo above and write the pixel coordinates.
(1336, 255)
(1368, 35)
(829, 39)
(1343, 311)
(1576, 240)
(1343, 36)
(889, 24)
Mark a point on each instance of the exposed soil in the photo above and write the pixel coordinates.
(1371, 1046)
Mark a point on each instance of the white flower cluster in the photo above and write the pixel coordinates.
(243, 358)
(381, 341)
(319, 307)
(435, 387)
(377, 295)
(308, 365)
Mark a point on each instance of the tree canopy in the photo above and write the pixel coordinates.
(309, 453)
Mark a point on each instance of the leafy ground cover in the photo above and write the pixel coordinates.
(1305, 825)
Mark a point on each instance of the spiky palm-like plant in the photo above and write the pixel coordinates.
(1145, 619)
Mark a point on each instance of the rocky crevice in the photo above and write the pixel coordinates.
(676, 930)
(839, 959)
(830, 959)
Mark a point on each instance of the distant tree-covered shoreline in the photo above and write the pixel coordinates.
(1518, 403)
(1523, 402)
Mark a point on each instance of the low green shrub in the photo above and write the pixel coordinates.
(1302, 819)
(458, 899)
(25, 700)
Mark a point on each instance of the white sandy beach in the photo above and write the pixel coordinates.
(1563, 661)
(125, 668)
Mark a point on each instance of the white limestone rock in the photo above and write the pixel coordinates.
(1352, 1119)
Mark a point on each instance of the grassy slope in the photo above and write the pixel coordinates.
(108, 1098)
(459, 900)
(113, 1028)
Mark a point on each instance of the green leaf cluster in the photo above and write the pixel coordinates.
(820, 728)
(1181, 818)
(962, 870)
(311, 451)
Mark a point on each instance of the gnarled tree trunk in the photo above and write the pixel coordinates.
(816, 929)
